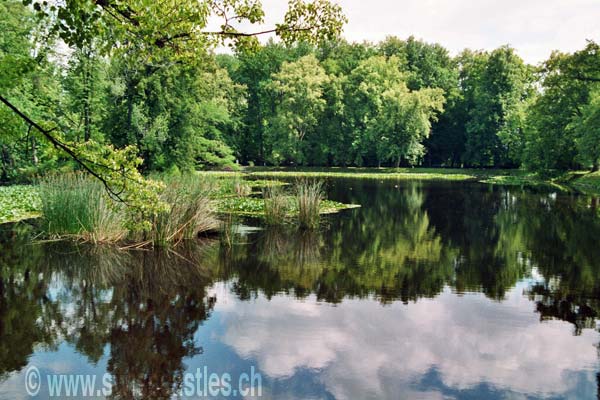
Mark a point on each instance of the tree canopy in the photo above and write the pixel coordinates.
(125, 89)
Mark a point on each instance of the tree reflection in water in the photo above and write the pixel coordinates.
(145, 305)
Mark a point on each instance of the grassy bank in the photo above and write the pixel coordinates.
(447, 174)
(577, 181)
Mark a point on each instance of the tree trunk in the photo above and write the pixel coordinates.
(87, 120)
(34, 157)
(7, 162)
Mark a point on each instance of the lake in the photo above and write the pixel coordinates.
(430, 290)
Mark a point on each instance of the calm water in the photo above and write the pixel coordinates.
(429, 291)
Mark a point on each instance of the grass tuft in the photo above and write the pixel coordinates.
(276, 205)
(77, 205)
(309, 195)
(190, 212)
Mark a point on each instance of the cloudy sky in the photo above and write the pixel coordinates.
(533, 27)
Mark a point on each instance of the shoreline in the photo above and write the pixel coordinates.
(579, 182)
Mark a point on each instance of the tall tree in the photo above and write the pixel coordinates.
(566, 81)
(255, 71)
(390, 121)
(298, 88)
(497, 86)
(587, 131)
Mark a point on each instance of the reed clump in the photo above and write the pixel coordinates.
(309, 195)
(190, 213)
(78, 206)
(276, 205)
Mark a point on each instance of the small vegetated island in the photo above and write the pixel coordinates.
(105, 141)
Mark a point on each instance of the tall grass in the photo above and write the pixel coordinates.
(77, 205)
(309, 195)
(190, 211)
(276, 204)
(241, 188)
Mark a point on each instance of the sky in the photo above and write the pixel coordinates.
(533, 27)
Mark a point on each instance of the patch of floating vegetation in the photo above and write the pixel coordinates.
(18, 202)
(255, 207)
(366, 175)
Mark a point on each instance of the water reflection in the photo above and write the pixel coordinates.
(145, 306)
(428, 290)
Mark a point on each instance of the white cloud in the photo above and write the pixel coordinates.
(365, 350)
(533, 27)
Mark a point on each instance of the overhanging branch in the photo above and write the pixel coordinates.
(47, 133)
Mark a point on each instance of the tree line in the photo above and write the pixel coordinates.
(410, 103)
(302, 101)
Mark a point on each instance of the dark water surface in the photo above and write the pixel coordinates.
(429, 291)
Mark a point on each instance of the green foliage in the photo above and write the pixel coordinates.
(299, 90)
(153, 30)
(178, 116)
(391, 122)
(302, 19)
(18, 202)
(276, 205)
(15, 57)
(154, 50)
(586, 129)
(118, 170)
(248, 206)
(554, 121)
(496, 88)
(141, 91)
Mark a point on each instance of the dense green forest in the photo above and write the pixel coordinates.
(112, 83)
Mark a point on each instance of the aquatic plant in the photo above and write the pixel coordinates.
(309, 195)
(78, 205)
(276, 205)
(190, 211)
(241, 188)
(18, 202)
